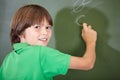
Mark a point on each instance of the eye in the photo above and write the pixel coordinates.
(37, 27)
(48, 27)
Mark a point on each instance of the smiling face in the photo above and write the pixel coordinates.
(37, 34)
(31, 24)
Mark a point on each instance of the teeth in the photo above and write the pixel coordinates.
(43, 39)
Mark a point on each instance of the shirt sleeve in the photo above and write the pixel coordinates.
(53, 62)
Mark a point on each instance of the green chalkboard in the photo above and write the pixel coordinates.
(103, 15)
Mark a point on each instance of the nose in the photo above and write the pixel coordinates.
(44, 31)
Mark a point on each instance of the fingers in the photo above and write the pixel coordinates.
(89, 27)
(89, 35)
(85, 26)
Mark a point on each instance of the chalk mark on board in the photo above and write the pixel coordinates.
(77, 21)
(79, 6)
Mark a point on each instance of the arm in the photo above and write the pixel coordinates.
(87, 61)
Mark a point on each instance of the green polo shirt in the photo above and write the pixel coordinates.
(28, 62)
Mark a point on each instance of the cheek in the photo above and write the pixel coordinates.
(29, 36)
(50, 34)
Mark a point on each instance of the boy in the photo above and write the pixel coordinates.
(31, 59)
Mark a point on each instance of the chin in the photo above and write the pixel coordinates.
(43, 44)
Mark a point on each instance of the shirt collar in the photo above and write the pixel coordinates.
(17, 46)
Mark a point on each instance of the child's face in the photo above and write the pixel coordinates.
(37, 34)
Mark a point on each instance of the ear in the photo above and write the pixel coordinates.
(22, 35)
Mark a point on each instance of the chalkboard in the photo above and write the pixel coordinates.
(103, 15)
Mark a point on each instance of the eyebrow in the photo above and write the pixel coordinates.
(41, 25)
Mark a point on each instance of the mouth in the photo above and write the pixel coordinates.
(43, 39)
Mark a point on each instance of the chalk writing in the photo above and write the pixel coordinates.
(77, 21)
(78, 6)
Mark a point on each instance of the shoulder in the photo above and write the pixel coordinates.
(53, 53)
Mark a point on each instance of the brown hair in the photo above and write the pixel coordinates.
(25, 17)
